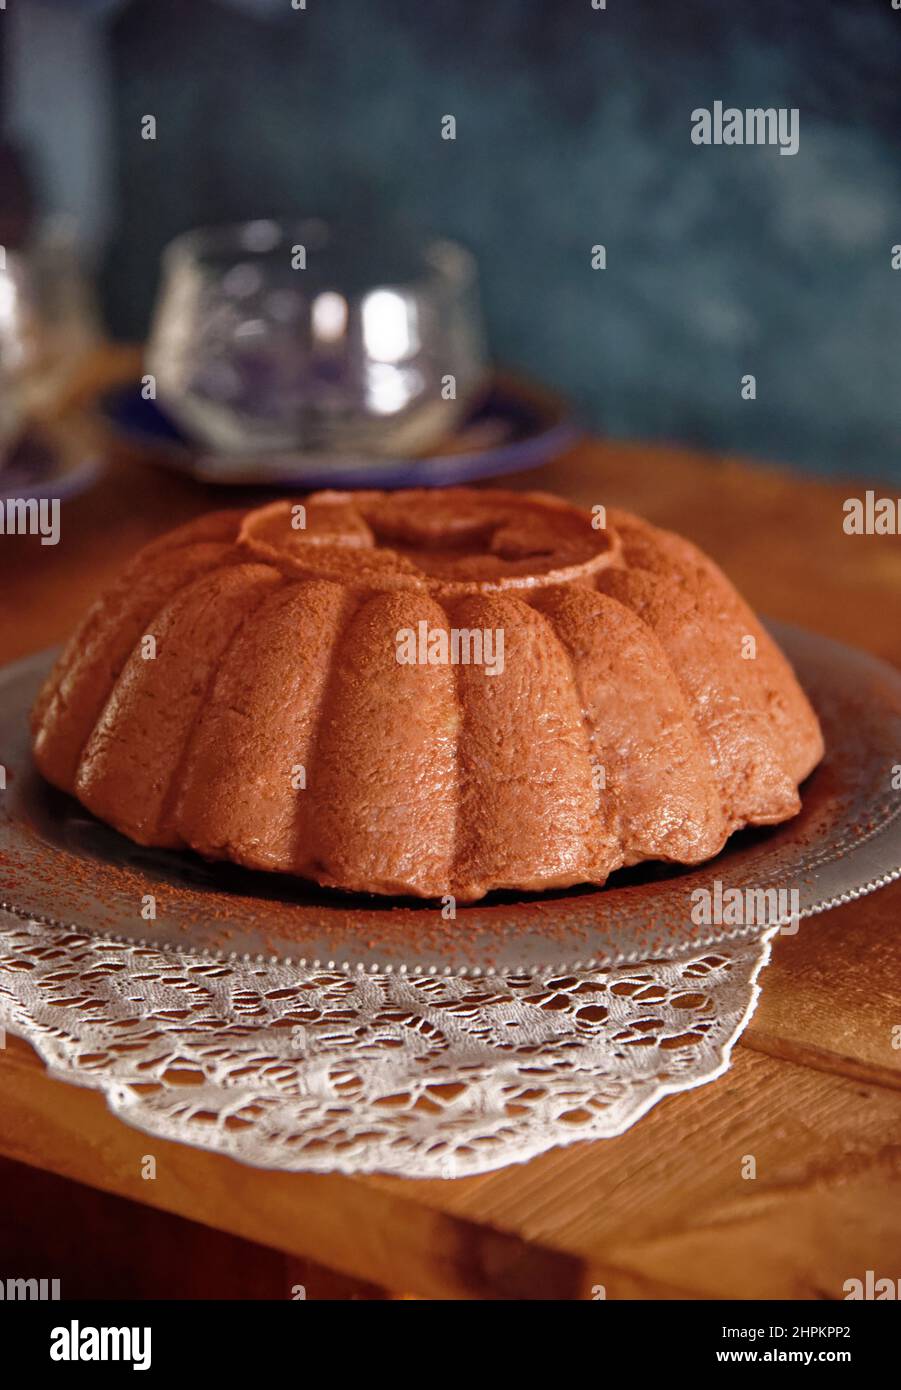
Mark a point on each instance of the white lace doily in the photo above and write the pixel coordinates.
(435, 1076)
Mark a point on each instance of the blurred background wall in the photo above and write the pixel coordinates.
(573, 128)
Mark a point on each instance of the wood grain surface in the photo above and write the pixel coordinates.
(663, 1211)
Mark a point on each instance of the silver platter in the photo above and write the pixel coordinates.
(61, 866)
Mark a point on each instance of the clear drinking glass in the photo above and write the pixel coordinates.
(18, 344)
(301, 337)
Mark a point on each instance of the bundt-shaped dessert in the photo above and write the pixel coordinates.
(429, 693)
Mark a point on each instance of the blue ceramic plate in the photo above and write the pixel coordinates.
(40, 466)
(513, 427)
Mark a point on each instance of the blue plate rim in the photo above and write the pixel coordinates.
(439, 470)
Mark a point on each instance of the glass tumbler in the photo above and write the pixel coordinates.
(18, 345)
(273, 337)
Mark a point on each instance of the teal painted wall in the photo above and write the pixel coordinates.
(573, 128)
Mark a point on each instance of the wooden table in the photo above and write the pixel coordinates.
(814, 1092)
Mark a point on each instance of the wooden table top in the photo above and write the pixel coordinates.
(814, 1092)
